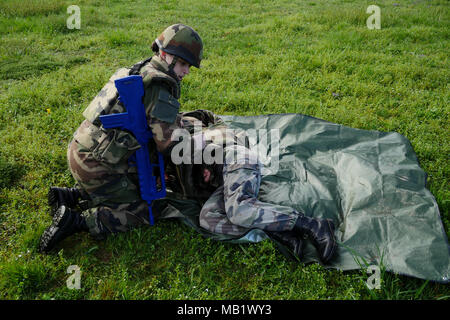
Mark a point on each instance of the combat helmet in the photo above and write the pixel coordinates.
(181, 41)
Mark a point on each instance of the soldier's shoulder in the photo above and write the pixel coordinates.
(105, 99)
(152, 76)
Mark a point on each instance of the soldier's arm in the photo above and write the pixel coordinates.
(162, 116)
(207, 117)
(162, 134)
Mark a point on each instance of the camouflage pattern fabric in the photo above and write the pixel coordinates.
(213, 216)
(162, 133)
(104, 220)
(115, 204)
(182, 41)
(183, 182)
(234, 209)
(98, 157)
(156, 72)
(106, 99)
(200, 117)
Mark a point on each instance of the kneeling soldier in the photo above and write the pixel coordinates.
(108, 198)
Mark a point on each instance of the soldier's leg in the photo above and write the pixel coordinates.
(242, 178)
(115, 205)
(112, 196)
(98, 221)
(243, 208)
(88, 173)
(102, 221)
(69, 197)
(241, 186)
(65, 222)
(101, 181)
(213, 216)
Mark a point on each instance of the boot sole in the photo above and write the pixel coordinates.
(49, 233)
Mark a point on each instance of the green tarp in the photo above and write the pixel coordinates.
(369, 182)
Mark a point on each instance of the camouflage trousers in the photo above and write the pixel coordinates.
(115, 204)
(233, 208)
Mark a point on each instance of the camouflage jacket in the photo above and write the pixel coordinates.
(186, 179)
(161, 104)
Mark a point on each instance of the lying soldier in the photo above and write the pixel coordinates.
(232, 206)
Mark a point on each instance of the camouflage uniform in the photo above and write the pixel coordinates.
(185, 182)
(233, 208)
(98, 157)
(229, 199)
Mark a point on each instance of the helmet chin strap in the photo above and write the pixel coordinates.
(172, 66)
(173, 63)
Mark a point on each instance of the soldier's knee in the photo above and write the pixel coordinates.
(204, 223)
(233, 214)
(203, 215)
(241, 211)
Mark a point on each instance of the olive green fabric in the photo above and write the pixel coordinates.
(369, 182)
(166, 107)
(182, 41)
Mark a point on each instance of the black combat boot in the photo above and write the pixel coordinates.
(65, 222)
(321, 234)
(290, 241)
(57, 197)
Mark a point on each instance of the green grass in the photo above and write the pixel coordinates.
(311, 57)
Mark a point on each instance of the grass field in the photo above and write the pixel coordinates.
(311, 57)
